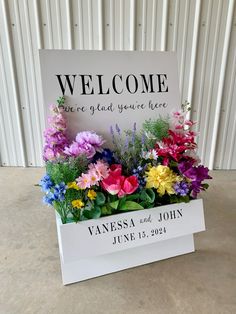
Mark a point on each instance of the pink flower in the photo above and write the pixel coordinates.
(93, 178)
(115, 170)
(115, 183)
(102, 169)
(129, 185)
(83, 181)
(95, 174)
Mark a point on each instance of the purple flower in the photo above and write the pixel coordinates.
(87, 143)
(117, 129)
(55, 137)
(90, 137)
(76, 149)
(195, 174)
(181, 188)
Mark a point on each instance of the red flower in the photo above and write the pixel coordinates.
(115, 170)
(175, 145)
(115, 183)
(129, 185)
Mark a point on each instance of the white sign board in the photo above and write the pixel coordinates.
(132, 229)
(101, 246)
(103, 88)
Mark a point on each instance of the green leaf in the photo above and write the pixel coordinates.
(114, 204)
(132, 197)
(205, 186)
(147, 195)
(96, 212)
(130, 205)
(121, 202)
(100, 199)
(92, 214)
(106, 210)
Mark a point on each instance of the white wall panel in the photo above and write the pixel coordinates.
(202, 32)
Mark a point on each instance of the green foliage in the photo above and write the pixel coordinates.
(130, 205)
(93, 213)
(147, 195)
(100, 199)
(61, 101)
(155, 130)
(128, 148)
(62, 209)
(179, 199)
(72, 194)
(66, 171)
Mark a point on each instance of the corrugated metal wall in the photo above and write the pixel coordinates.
(203, 32)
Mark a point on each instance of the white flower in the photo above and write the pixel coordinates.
(152, 154)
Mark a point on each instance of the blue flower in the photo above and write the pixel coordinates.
(46, 183)
(181, 188)
(49, 198)
(138, 172)
(59, 192)
(106, 155)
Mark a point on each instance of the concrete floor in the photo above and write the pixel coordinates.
(30, 279)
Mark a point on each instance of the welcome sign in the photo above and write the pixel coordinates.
(104, 88)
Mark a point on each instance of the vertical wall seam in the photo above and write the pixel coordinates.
(205, 130)
(90, 25)
(81, 28)
(164, 25)
(176, 20)
(69, 24)
(183, 48)
(101, 29)
(144, 25)
(204, 59)
(112, 25)
(132, 24)
(15, 89)
(58, 19)
(194, 50)
(33, 78)
(221, 82)
(230, 101)
(38, 22)
(232, 144)
(5, 89)
(154, 26)
(49, 22)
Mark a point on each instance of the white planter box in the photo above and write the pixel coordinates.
(100, 246)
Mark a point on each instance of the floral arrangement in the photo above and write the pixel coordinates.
(155, 166)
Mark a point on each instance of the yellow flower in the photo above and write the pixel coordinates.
(92, 195)
(77, 204)
(72, 185)
(161, 178)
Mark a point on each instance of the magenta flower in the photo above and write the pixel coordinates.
(195, 174)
